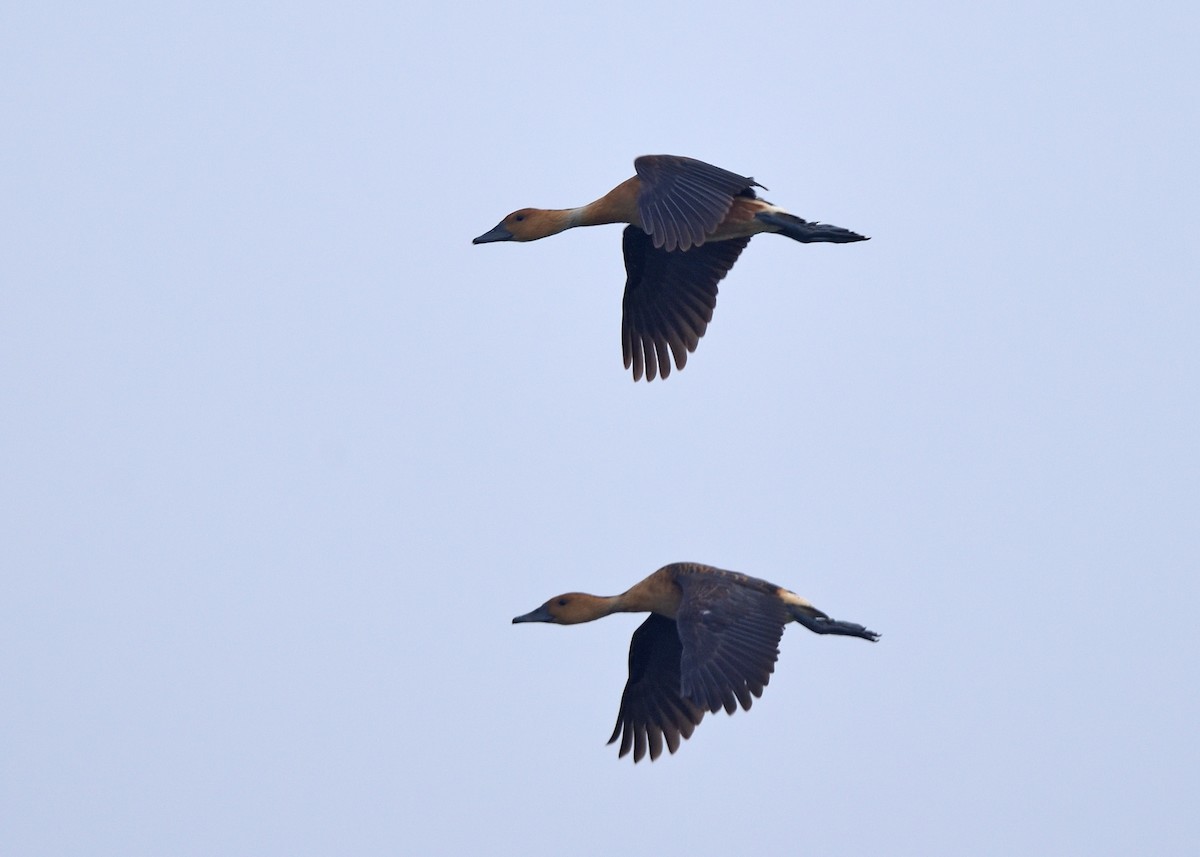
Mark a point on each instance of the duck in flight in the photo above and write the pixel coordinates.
(689, 221)
(710, 643)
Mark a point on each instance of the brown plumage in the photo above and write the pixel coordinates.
(710, 642)
(689, 221)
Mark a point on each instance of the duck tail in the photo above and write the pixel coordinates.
(819, 623)
(799, 229)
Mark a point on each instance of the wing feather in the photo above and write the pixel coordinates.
(669, 299)
(730, 637)
(652, 709)
(682, 201)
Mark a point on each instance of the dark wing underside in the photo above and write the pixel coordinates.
(652, 709)
(682, 200)
(669, 299)
(730, 636)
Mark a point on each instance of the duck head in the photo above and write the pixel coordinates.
(527, 224)
(570, 608)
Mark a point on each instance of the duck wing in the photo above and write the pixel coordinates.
(669, 299)
(730, 635)
(682, 201)
(652, 709)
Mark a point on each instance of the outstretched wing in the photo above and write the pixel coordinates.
(682, 200)
(669, 299)
(730, 637)
(652, 709)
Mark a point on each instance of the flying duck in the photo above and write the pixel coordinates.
(710, 643)
(689, 221)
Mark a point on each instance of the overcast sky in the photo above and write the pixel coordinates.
(283, 453)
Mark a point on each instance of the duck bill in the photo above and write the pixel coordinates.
(539, 615)
(497, 234)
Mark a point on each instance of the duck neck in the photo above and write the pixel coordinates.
(619, 205)
(655, 594)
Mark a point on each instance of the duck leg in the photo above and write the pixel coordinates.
(822, 624)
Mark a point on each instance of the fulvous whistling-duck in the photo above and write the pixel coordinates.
(710, 643)
(689, 222)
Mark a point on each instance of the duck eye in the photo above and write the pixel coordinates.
(562, 602)
(520, 217)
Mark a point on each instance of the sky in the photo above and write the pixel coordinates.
(283, 453)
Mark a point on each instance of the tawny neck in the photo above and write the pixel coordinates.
(656, 594)
(619, 205)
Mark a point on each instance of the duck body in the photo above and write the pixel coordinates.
(710, 642)
(675, 206)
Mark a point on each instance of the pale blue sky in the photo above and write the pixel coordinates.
(284, 453)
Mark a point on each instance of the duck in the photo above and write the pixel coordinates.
(688, 223)
(710, 642)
